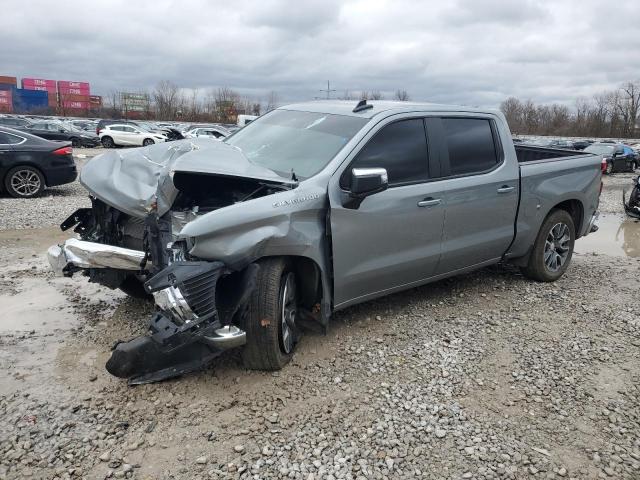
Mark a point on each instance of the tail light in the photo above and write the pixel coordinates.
(63, 151)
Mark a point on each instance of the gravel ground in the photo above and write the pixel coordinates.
(482, 376)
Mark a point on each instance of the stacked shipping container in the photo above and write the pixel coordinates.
(42, 84)
(7, 85)
(6, 101)
(67, 97)
(74, 95)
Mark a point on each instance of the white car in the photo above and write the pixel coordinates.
(128, 135)
(212, 132)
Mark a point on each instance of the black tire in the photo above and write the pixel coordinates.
(609, 169)
(634, 165)
(75, 142)
(544, 251)
(266, 347)
(147, 141)
(107, 142)
(24, 182)
(134, 288)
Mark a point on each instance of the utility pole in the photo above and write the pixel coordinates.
(328, 90)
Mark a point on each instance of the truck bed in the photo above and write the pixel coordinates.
(532, 153)
(548, 177)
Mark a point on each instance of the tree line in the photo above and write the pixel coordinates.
(608, 114)
(169, 102)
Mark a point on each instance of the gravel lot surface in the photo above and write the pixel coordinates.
(486, 375)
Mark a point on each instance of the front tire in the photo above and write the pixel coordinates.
(24, 182)
(147, 141)
(634, 165)
(76, 143)
(271, 328)
(107, 142)
(553, 248)
(134, 288)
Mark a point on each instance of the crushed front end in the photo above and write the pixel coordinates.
(192, 325)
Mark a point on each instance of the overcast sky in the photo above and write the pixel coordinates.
(473, 52)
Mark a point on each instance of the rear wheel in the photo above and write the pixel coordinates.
(147, 141)
(609, 169)
(24, 182)
(553, 248)
(107, 142)
(271, 328)
(75, 142)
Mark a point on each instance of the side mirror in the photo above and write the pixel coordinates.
(365, 182)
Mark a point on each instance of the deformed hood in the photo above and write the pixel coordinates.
(133, 180)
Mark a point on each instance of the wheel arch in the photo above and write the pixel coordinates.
(573, 207)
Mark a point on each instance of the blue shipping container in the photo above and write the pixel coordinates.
(25, 101)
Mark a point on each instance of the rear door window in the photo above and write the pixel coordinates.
(400, 148)
(471, 145)
(9, 139)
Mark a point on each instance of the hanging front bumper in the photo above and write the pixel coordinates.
(75, 254)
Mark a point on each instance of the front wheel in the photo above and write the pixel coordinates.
(634, 165)
(75, 142)
(147, 141)
(271, 328)
(553, 248)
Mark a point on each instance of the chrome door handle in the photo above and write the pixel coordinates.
(429, 202)
(506, 189)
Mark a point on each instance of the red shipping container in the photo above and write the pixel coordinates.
(29, 83)
(5, 101)
(53, 99)
(6, 108)
(9, 80)
(71, 97)
(5, 93)
(67, 84)
(74, 91)
(77, 105)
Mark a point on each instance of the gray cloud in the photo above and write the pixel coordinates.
(470, 52)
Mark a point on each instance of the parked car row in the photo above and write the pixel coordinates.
(92, 133)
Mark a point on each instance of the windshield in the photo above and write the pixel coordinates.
(600, 149)
(286, 140)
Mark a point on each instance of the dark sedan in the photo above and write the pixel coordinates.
(60, 131)
(618, 157)
(29, 163)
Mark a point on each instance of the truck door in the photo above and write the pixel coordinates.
(392, 239)
(482, 191)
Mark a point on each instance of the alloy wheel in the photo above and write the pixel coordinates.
(556, 247)
(25, 183)
(288, 300)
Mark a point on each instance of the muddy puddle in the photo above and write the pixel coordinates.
(618, 235)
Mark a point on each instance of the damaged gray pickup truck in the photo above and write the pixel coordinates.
(309, 209)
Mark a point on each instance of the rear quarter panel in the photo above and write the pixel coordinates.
(547, 183)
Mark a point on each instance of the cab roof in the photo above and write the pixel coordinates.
(345, 107)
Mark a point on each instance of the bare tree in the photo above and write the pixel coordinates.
(272, 101)
(401, 95)
(166, 99)
(364, 95)
(376, 95)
